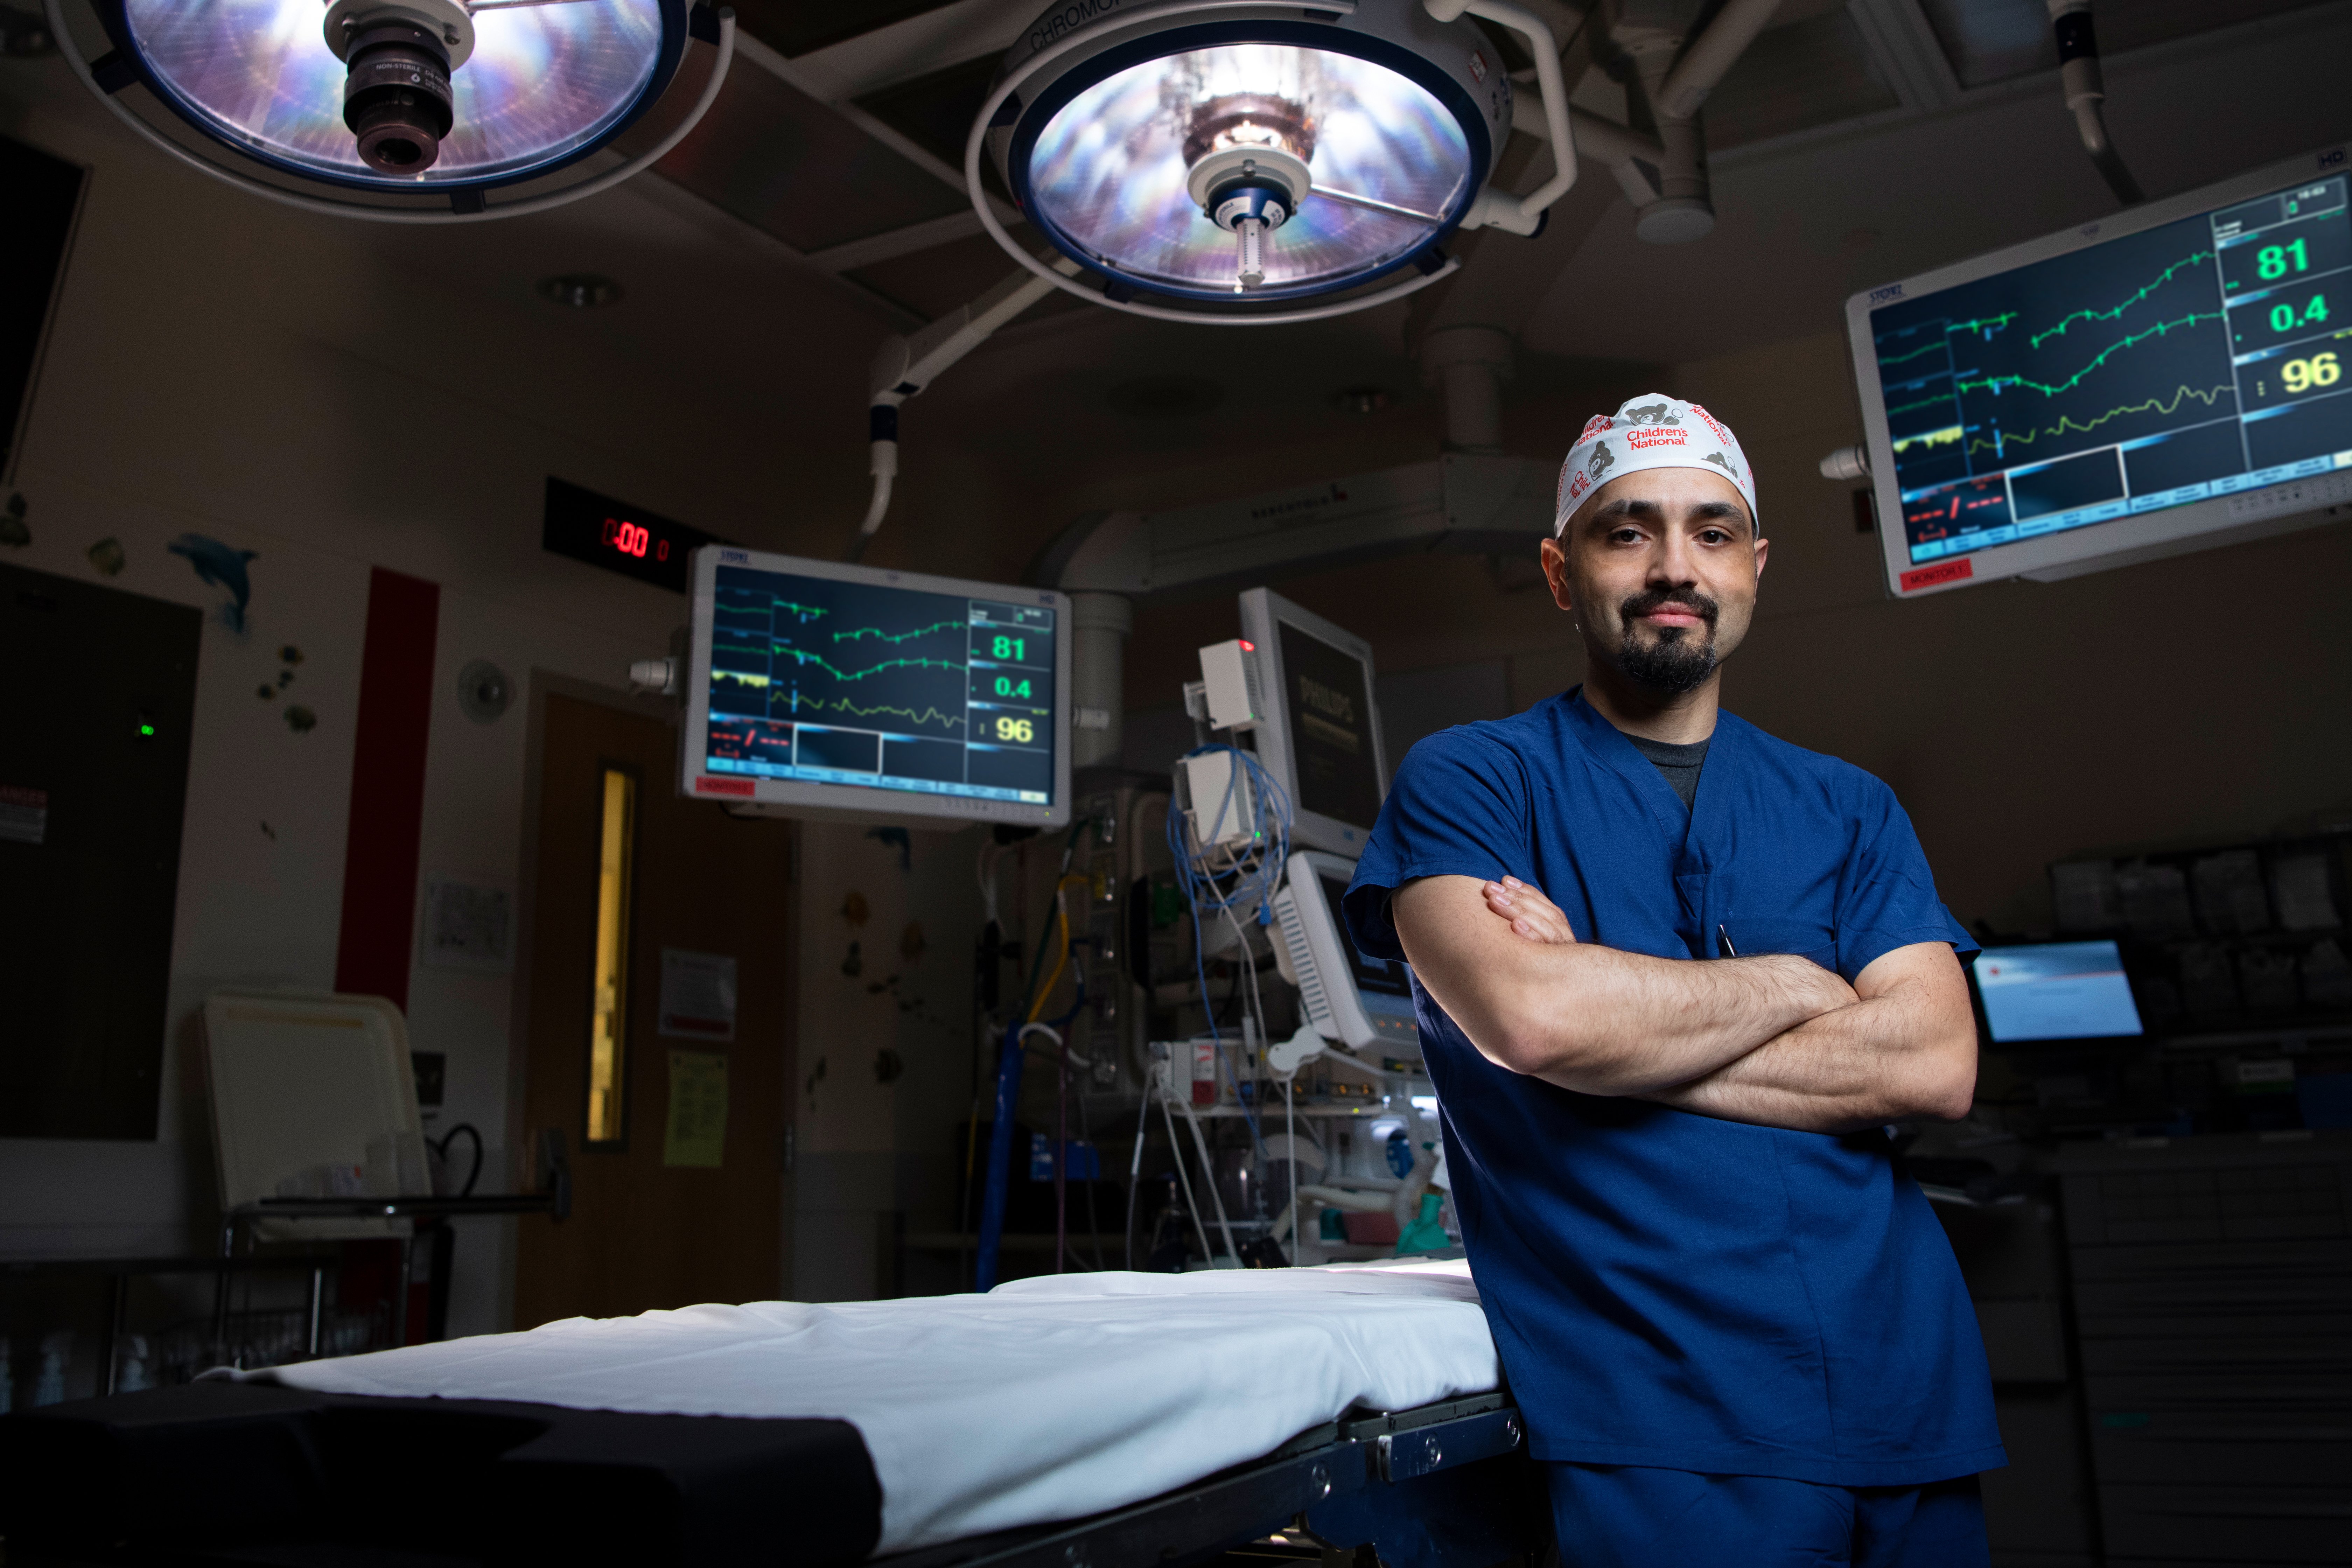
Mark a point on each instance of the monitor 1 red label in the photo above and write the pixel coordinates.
(706, 785)
(1941, 573)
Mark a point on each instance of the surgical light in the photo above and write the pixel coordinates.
(1209, 159)
(411, 110)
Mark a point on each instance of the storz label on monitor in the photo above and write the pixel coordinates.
(849, 692)
(2116, 388)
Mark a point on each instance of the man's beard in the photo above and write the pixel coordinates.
(1680, 660)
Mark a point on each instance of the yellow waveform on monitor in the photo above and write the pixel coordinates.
(1930, 438)
(736, 677)
(2068, 423)
(912, 715)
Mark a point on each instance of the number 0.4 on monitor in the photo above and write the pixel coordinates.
(826, 690)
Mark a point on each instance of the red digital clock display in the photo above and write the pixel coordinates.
(634, 540)
(619, 537)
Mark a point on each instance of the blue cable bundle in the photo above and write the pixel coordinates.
(1251, 877)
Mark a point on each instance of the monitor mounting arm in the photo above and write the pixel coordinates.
(903, 366)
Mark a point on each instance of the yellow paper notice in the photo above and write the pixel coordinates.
(697, 1133)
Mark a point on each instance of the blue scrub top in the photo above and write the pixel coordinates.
(1668, 1289)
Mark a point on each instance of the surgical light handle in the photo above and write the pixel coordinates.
(1497, 209)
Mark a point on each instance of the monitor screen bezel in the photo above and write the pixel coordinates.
(858, 803)
(1264, 614)
(2053, 1042)
(2120, 540)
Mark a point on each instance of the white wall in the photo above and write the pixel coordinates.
(303, 388)
(870, 1151)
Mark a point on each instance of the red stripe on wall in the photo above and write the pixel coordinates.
(388, 787)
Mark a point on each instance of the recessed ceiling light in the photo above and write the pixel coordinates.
(1205, 161)
(580, 290)
(414, 110)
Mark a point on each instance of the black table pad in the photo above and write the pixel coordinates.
(229, 1472)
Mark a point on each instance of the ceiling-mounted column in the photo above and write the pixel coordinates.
(1098, 626)
(1676, 72)
(1648, 36)
(1469, 364)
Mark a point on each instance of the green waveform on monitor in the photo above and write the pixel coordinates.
(2054, 389)
(1942, 397)
(1985, 324)
(912, 715)
(897, 637)
(2090, 315)
(798, 656)
(2082, 428)
(1988, 325)
(806, 612)
(1914, 354)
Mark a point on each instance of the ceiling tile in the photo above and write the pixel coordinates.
(1813, 72)
(797, 28)
(784, 163)
(1994, 40)
(932, 282)
(936, 112)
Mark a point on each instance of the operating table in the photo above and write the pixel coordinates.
(695, 1439)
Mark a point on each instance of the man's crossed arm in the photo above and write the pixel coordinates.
(1774, 1040)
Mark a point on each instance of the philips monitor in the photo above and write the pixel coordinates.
(2169, 379)
(1322, 737)
(1350, 998)
(2055, 991)
(850, 693)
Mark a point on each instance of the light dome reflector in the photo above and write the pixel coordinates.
(1107, 175)
(544, 83)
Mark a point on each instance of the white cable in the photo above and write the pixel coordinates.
(1191, 1205)
(1290, 1137)
(984, 870)
(252, 186)
(885, 468)
(1208, 1175)
(1256, 1002)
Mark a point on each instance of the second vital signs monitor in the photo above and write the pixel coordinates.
(819, 689)
(2128, 389)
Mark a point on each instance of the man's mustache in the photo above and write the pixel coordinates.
(1690, 599)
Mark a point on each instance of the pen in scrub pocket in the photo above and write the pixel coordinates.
(1724, 937)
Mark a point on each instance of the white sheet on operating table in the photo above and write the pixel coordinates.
(1045, 1399)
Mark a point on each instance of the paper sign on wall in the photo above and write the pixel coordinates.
(695, 1133)
(698, 996)
(468, 925)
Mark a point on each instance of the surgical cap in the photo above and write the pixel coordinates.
(1652, 431)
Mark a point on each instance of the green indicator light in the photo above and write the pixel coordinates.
(147, 728)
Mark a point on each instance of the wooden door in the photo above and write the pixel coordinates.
(646, 1230)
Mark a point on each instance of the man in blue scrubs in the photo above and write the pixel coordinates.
(1675, 978)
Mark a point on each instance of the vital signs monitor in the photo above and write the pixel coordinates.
(819, 689)
(2159, 380)
(2049, 991)
(1322, 737)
